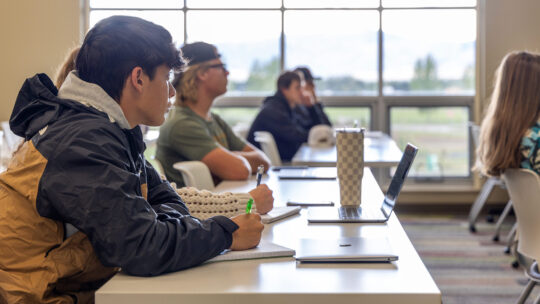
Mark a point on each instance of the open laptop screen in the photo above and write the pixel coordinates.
(399, 178)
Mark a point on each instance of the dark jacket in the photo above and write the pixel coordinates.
(277, 117)
(312, 116)
(77, 167)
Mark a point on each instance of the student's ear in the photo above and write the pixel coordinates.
(136, 79)
(202, 74)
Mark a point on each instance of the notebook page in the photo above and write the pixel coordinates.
(278, 213)
(263, 250)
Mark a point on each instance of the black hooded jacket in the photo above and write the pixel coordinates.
(95, 178)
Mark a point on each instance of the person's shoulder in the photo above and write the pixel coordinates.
(182, 118)
(533, 132)
(218, 119)
(80, 133)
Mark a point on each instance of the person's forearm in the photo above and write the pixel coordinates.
(255, 158)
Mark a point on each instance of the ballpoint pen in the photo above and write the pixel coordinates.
(260, 171)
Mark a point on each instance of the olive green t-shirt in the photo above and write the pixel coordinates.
(186, 136)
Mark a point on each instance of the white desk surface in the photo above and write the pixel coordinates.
(283, 280)
(379, 152)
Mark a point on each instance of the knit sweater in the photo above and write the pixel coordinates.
(204, 204)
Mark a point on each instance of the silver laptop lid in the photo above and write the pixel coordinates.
(398, 180)
(345, 249)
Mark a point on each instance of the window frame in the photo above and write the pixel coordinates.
(380, 104)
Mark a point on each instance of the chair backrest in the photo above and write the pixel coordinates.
(195, 174)
(11, 140)
(474, 130)
(524, 188)
(269, 147)
(241, 130)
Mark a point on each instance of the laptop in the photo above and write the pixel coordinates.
(379, 214)
(345, 249)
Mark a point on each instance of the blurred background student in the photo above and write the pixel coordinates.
(509, 135)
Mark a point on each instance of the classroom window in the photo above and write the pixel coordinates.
(342, 50)
(405, 67)
(428, 53)
(441, 135)
(252, 57)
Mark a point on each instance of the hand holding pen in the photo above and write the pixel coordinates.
(260, 171)
(262, 195)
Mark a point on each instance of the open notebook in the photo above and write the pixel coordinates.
(263, 250)
(278, 213)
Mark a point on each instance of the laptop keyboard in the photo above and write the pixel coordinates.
(347, 213)
(351, 213)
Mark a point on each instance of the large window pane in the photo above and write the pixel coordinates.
(428, 3)
(349, 116)
(136, 4)
(429, 52)
(331, 4)
(339, 46)
(233, 4)
(250, 50)
(441, 135)
(173, 21)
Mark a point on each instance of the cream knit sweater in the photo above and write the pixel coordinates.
(204, 204)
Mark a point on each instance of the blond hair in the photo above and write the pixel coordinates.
(66, 67)
(186, 83)
(514, 108)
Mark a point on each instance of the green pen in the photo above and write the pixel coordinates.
(248, 207)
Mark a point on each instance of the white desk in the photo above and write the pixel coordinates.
(379, 152)
(282, 280)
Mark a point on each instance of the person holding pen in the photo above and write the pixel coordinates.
(260, 172)
(79, 201)
(201, 204)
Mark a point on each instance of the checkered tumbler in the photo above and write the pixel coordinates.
(350, 165)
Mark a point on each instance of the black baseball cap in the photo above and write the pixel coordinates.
(307, 73)
(198, 52)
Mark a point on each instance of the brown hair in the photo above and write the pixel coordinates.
(286, 78)
(514, 107)
(186, 83)
(66, 67)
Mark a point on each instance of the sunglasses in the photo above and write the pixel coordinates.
(222, 66)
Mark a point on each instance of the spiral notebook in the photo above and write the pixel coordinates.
(263, 250)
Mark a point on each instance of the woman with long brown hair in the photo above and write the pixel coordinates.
(509, 135)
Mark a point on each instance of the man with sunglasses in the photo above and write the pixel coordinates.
(192, 132)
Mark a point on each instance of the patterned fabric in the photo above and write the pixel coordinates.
(350, 166)
(530, 148)
(204, 204)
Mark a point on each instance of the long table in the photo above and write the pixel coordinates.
(283, 280)
(380, 151)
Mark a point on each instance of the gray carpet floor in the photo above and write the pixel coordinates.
(467, 267)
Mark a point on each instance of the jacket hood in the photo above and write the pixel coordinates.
(92, 95)
(39, 103)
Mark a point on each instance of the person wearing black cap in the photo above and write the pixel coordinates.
(310, 110)
(192, 132)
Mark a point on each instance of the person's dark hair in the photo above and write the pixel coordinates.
(118, 44)
(284, 81)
